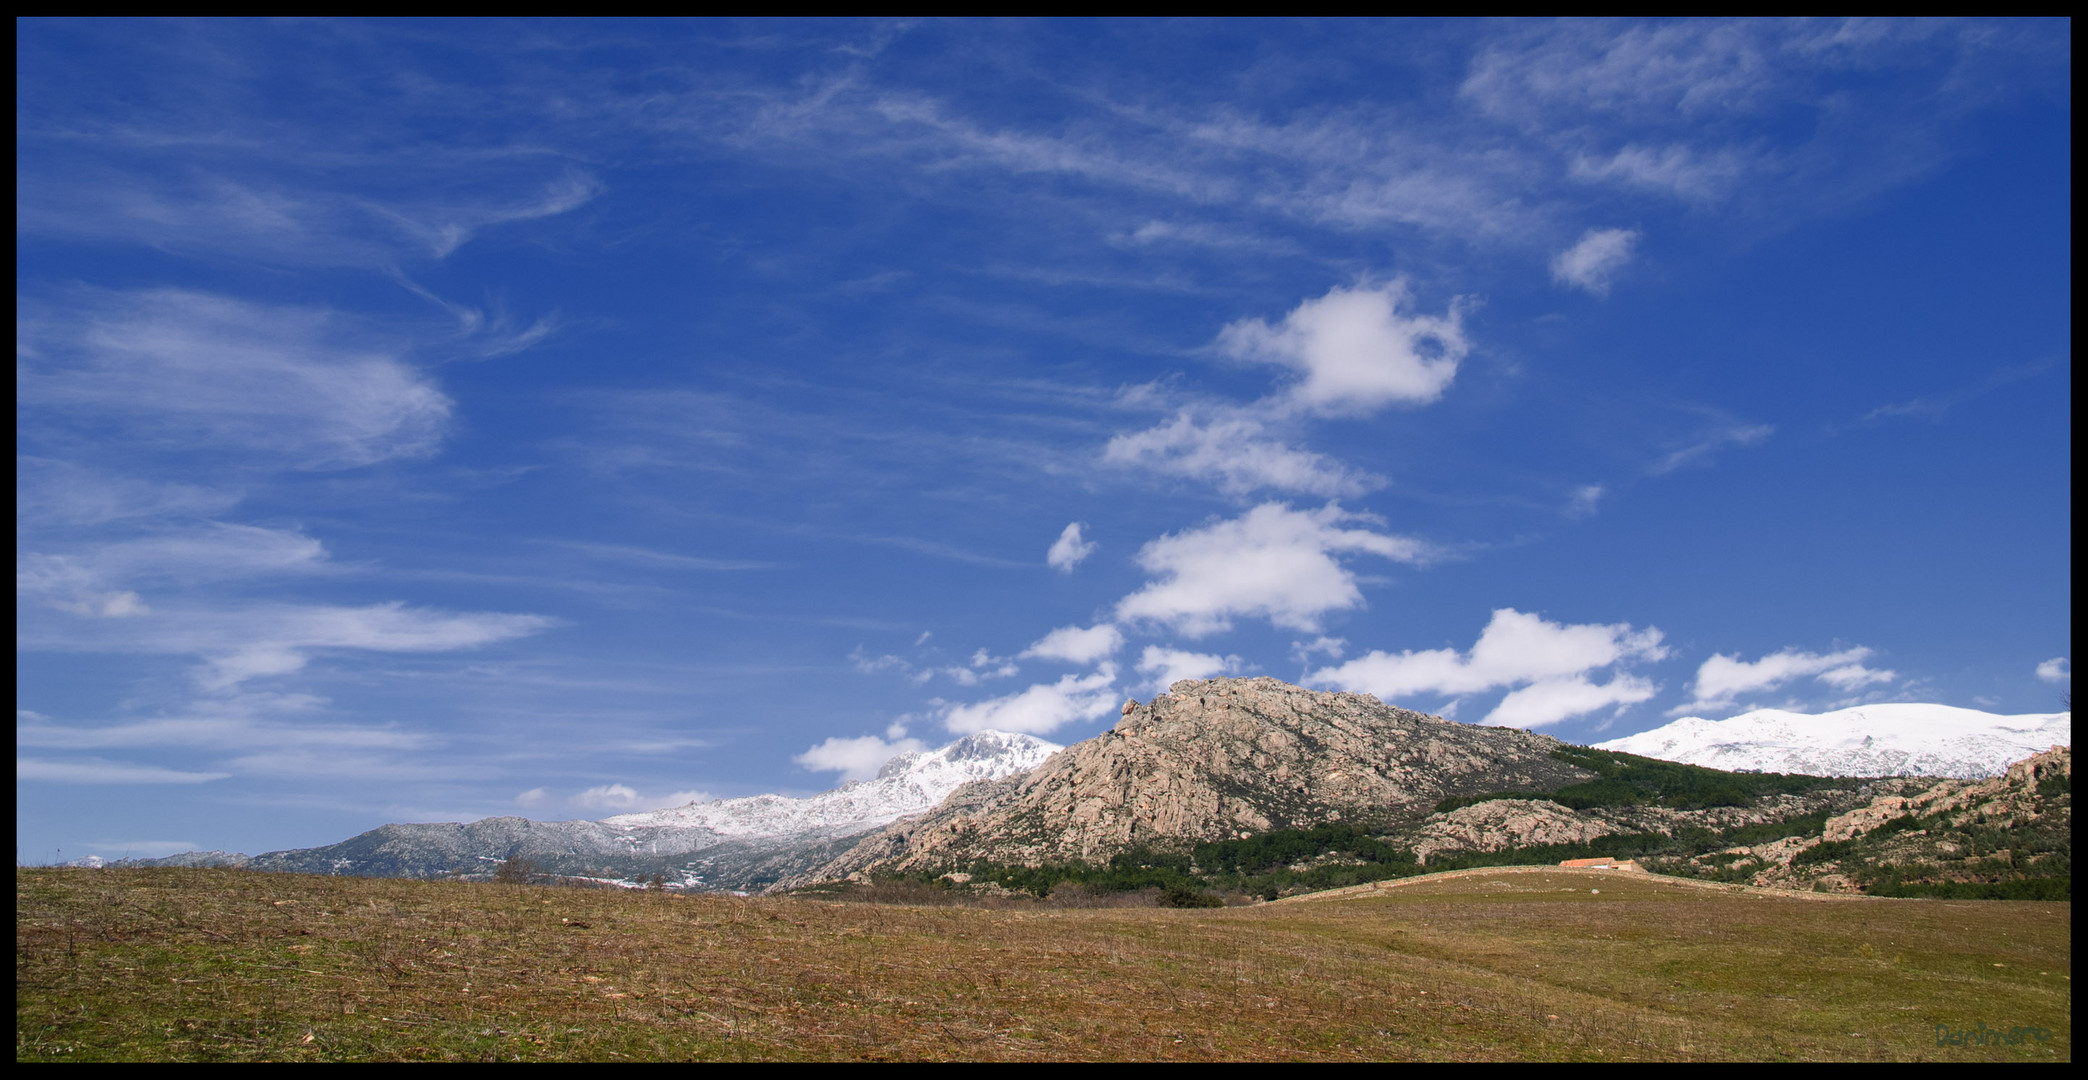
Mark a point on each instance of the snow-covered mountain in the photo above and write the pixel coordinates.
(1868, 740)
(907, 784)
(736, 844)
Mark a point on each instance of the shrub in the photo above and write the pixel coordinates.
(1183, 896)
(517, 871)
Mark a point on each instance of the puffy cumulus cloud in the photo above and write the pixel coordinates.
(534, 797)
(1272, 562)
(1237, 455)
(1304, 651)
(1548, 701)
(2058, 669)
(1722, 679)
(1354, 350)
(607, 797)
(1165, 667)
(1041, 708)
(1069, 549)
(171, 368)
(1548, 661)
(858, 758)
(1077, 645)
(1594, 262)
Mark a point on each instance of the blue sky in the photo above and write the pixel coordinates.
(434, 420)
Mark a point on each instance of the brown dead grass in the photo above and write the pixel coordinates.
(180, 964)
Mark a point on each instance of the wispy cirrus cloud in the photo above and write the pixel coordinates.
(99, 771)
(188, 370)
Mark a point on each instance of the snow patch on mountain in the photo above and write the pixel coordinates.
(907, 784)
(1905, 739)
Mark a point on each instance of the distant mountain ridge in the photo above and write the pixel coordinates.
(1868, 740)
(907, 784)
(740, 844)
(1219, 761)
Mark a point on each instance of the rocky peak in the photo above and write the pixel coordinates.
(1212, 759)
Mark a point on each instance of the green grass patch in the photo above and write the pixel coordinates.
(226, 965)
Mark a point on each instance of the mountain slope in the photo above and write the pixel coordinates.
(1869, 740)
(1213, 760)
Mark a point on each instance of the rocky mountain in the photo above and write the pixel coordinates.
(1255, 787)
(740, 844)
(1212, 760)
(1934, 840)
(1869, 740)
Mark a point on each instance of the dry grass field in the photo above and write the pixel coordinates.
(189, 965)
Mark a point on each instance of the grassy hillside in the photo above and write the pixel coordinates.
(180, 964)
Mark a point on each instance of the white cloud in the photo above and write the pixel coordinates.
(1069, 549)
(1042, 707)
(1549, 660)
(1165, 667)
(241, 644)
(534, 797)
(1304, 651)
(1272, 562)
(1585, 499)
(1235, 453)
(1077, 645)
(1730, 435)
(175, 368)
(1594, 262)
(1722, 679)
(279, 640)
(1548, 701)
(1355, 351)
(198, 210)
(90, 581)
(1674, 170)
(607, 797)
(856, 759)
(2058, 669)
(144, 849)
(95, 771)
(51, 492)
(243, 722)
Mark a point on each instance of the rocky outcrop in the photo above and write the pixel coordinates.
(1211, 760)
(1952, 830)
(1505, 823)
